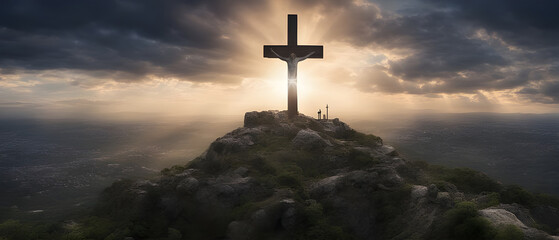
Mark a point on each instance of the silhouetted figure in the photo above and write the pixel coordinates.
(289, 53)
(319, 112)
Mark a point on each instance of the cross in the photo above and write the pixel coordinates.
(296, 52)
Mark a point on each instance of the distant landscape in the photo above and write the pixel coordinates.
(520, 149)
(49, 169)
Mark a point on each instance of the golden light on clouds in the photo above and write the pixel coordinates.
(377, 60)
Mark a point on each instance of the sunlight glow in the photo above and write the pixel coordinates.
(257, 83)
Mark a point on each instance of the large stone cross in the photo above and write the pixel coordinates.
(292, 54)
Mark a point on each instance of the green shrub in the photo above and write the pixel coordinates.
(364, 139)
(324, 231)
(491, 199)
(546, 199)
(289, 180)
(389, 209)
(300, 162)
(312, 167)
(461, 211)
(509, 232)
(472, 181)
(261, 165)
(463, 222)
(516, 194)
(176, 169)
(316, 225)
(473, 228)
(412, 173)
(358, 159)
(97, 228)
(173, 234)
(119, 234)
(271, 143)
(15, 230)
(465, 179)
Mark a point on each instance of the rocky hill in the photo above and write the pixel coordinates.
(302, 178)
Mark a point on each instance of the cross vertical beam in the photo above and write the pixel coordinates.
(292, 30)
(292, 53)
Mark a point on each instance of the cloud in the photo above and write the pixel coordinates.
(427, 47)
(134, 38)
(524, 24)
(457, 46)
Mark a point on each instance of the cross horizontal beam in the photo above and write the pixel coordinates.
(286, 50)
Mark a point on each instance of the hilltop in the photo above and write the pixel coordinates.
(302, 178)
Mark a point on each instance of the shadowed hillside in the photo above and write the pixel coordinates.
(301, 178)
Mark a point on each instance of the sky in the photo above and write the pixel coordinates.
(100, 59)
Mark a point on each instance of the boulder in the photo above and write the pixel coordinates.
(231, 144)
(418, 192)
(238, 230)
(341, 130)
(253, 119)
(361, 179)
(326, 185)
(388, 150)
(547, 215)
(281, 212)
(432, 192)
(388, 176)
(227, 191)
(499, 216)
(502, 217)
(445, 200)
(289, 219)
(187, 185)
(308, 139)
(522, 213)
(241, 171)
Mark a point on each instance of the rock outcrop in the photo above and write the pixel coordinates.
(298, 178)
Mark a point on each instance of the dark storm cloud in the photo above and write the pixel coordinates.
(465, 46)
(439, 47)
(449, 46)
(530, 26)
(165, 38)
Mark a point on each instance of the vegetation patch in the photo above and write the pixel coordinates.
(509, 232)
(390, 210)
(315, 224)
(360, 160)
(463, 222)
(465, 179)
(368, 140)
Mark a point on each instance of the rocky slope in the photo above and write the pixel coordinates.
(303, 178)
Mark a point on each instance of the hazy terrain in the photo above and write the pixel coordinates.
(54, 167)
(518, 149)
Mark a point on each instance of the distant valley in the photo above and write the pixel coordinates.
(49, 169)
(518, 149)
